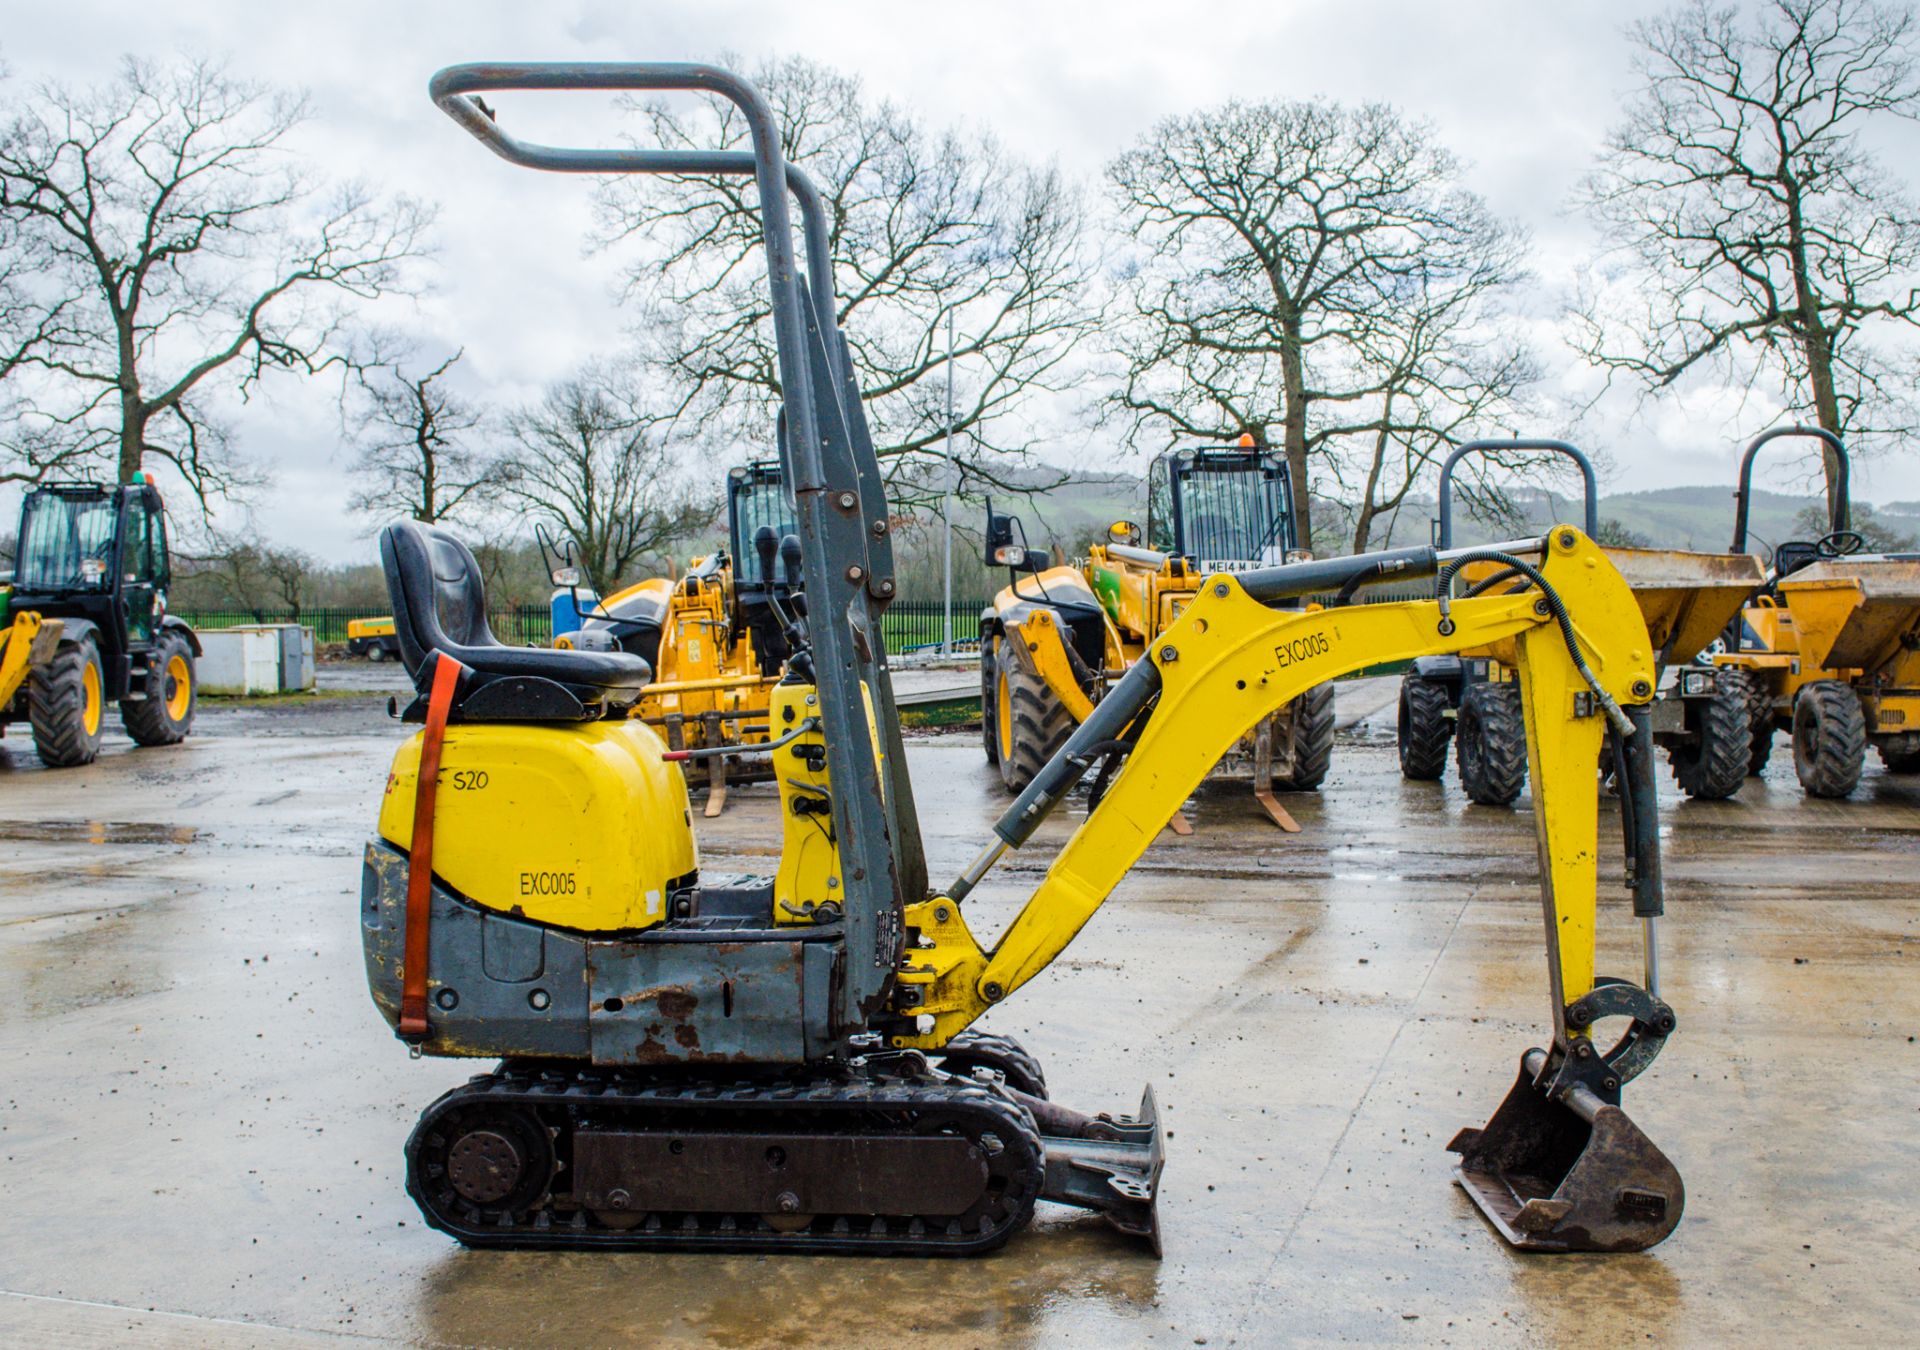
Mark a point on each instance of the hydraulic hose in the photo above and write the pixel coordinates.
(1443, 585)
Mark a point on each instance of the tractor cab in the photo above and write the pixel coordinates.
(1224, 508)
(757, 501)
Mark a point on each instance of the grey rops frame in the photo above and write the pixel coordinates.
(1443, 522)
(839, 495)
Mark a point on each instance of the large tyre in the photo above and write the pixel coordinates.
(1760, 713)
(1425, 728)
(1490, 743)
(989, 705)
(1032, 724)
(165, 715)
(1829, 739)
(1713, 767)
(1004, 1055)
(1312, 740)
(66, 702)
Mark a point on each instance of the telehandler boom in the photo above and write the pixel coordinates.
(790, 1063)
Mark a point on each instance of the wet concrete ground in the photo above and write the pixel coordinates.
(202, 1115)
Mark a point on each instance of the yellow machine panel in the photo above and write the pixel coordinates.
(580, 826)
(809, 875)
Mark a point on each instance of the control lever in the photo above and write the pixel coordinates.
(790, 564)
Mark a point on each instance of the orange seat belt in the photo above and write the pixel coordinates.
(413, 964)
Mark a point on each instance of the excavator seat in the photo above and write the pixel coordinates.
(440, 610)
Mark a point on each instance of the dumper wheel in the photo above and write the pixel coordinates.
(1712, 767)
(165, 715)
(1900, 761)
(989, 686)
(1312, 740)
(1829, 739)
(1031, 723)
(1004, 1055)
(1425, 728)
(1491, 743)
(1760, 713)
(66, 703)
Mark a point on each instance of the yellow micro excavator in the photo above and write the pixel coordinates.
(791, 1063)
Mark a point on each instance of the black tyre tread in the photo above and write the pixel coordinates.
(1424, 728)
(1003, 1054)
(1713, 768)
(989, 714)
(1041, 725)
(56, 706)
(1490, 743)
(1313, 721)
(1829, 739)
(1760, 714)
(146, 719)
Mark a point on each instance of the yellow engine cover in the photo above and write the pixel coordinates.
(582, 826)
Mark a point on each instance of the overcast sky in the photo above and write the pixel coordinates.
(1523, 91)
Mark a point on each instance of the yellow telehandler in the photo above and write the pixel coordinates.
(1057, 638)
(714, 637)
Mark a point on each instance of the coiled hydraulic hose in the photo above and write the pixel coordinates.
(1443, 585)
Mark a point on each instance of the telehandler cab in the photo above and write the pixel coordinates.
(88, 623)
(790, 1063)
(1700, 716)
(713, 637)
(1053, 643)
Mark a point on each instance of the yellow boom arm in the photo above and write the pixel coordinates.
(1231, 660)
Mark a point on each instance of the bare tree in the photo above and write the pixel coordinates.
(593, 459)
(924, 226)
(252, 574)
(1753, 234)
(191, 253)
(419, 443)
(1315, 276)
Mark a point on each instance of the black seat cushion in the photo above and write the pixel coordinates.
(440, 605)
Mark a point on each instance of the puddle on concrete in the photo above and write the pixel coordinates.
(96, 832)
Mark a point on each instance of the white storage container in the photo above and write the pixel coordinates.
(239, 661)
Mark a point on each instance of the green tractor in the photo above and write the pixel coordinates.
(87, 622)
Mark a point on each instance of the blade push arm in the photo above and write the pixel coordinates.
(1229, 661)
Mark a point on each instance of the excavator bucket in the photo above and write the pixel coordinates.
(1567, 1172)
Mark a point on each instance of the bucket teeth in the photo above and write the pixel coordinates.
(1567, 1172)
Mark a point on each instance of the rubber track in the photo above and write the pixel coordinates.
(146, 719)
(1003, 1054)
(56, 705)
(1490, 743)
(1713, 768)
(1829, 758)
(1041, 725)
(1424, 729)
(1312, 739)
(807, 1102)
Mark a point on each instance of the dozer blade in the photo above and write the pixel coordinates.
(1569, 1173)
(1110, 1164)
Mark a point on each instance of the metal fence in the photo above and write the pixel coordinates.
(909, 624)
